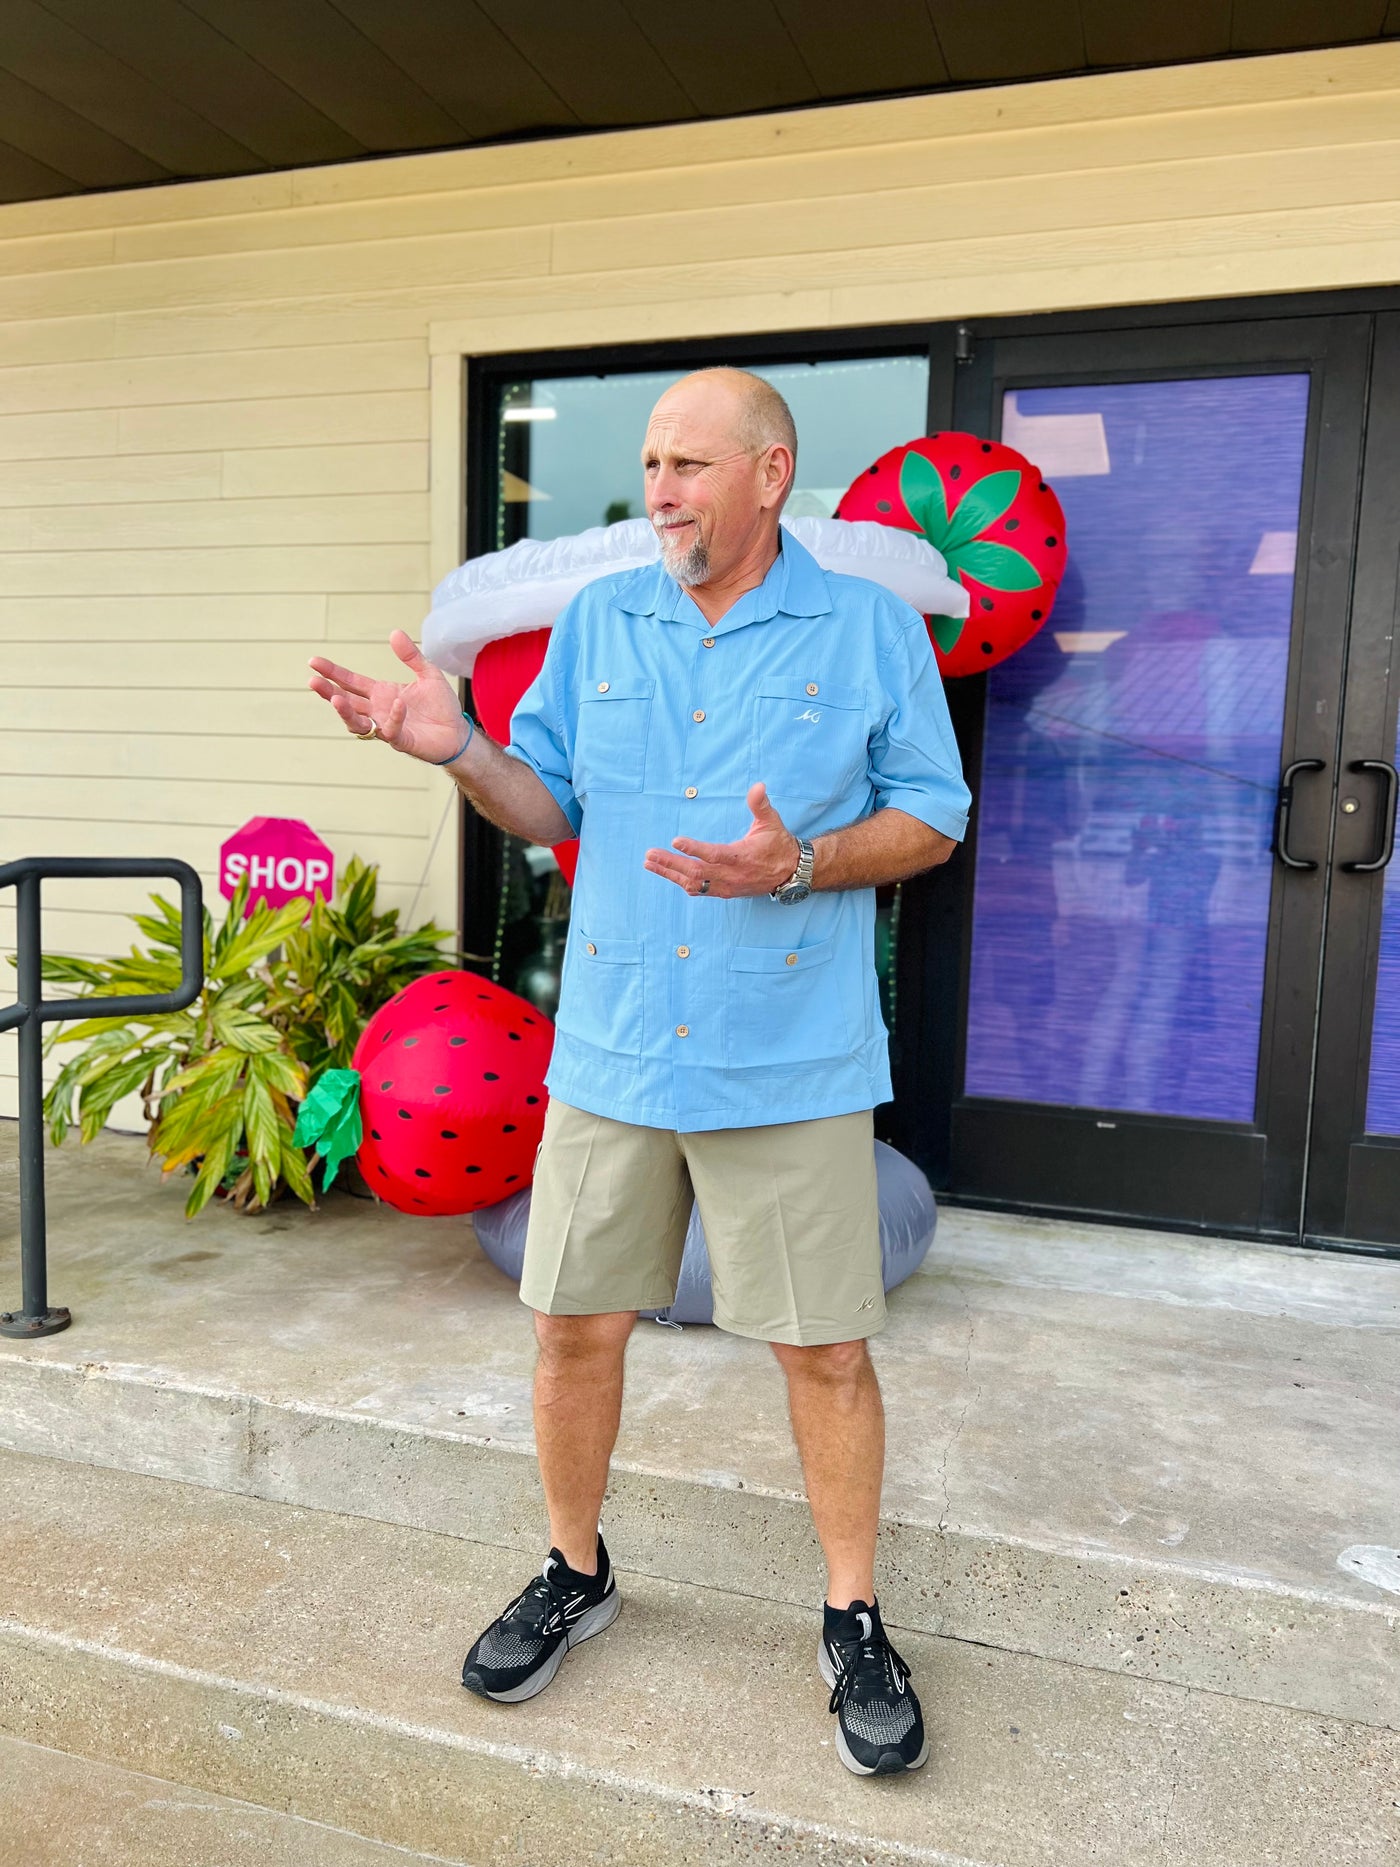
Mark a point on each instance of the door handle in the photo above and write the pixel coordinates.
(1392, 798)
(1284, 809)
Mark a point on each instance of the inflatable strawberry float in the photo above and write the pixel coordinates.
(995, 521)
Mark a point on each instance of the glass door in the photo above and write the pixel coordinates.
(1142, 940)
(1354, 1156)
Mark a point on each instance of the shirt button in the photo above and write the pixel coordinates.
(708, 642)
(698, 715)
(792, 959)
(682, 952)
(811, 687)
(691, 791)
(591, 947)
(603, 687)
(682, 1030)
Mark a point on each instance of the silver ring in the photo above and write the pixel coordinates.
(705, 886)
(373, 732)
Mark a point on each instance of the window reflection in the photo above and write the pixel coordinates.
(1132, 750)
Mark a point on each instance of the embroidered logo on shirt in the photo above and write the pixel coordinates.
(810, 714)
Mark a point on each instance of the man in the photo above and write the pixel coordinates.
(719, 1033)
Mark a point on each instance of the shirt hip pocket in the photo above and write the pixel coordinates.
(810, 738)
(600, 998)
(785, 1005)
(610, 747)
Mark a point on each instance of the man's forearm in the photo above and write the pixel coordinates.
(507, 793)
(887, 847)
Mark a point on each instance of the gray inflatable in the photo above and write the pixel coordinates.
(908, 1219)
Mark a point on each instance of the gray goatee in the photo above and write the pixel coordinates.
(689, 566)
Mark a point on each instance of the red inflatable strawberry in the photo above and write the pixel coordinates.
(452, 1095)
(503, 670)
(1000, 529)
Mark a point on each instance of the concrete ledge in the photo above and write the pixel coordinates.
(309, 1663)
(62, 1811)
(1249, 1636)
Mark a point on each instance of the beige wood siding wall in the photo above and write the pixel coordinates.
(231, 413)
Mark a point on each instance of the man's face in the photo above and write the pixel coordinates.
(705, 493)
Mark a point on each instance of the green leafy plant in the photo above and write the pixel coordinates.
(336, 971)
(216, 1080)
(220, 1081)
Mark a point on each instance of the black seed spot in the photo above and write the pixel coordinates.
(955, 473)
(489, 1076)
(483, 995)
(875, 469)
(422, 1173)
(385, 1172)
(449, 1134)
(509, 1128)
(473, 1170)
(510, 1177)
(985, 601)
(532, 1100)
(1043, 487)
(456, 1040)
(386, 1085)
(440, 1007)
(882, 505)
(1052, 541)
(404, 1115)
(1012, 524)
(385, 1038)
(936, 437)
(442, 1089)
(514, 1036)
(419, 1202)
(374, 1134)
(409, 1042)
(986, 447)
(986, 648)
(1036, 614)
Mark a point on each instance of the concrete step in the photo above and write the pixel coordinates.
(1155, 1454)
(63, 1811)
(309, 1663)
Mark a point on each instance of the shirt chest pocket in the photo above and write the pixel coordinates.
(610, 750)
(810, 739)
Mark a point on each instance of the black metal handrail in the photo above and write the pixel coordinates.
(32, 1011)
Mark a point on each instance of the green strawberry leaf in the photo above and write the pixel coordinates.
(921, 489)
(946, 630)
(997, 566)
(982, 505)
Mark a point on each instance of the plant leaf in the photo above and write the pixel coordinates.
(244, 1030)
(982, 505)
(996, 566)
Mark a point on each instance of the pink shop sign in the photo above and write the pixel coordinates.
(282, 856)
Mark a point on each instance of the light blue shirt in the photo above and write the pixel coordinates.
(647, 722)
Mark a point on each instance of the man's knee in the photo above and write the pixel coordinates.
(565, 1339)
(834, 1363)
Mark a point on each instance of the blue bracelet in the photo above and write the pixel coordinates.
(471, 733)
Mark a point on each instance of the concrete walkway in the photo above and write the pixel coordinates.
(1168, 1459)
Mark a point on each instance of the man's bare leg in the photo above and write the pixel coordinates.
(578, 1405)
(838, 1421)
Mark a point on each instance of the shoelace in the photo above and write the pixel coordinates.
(538, 1609)
(874, 1663)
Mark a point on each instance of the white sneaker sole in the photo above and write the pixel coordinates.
(597, 1620)
(828, 1672)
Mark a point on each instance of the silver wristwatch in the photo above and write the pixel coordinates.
(799, 886)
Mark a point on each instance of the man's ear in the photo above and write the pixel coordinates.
(776, 474)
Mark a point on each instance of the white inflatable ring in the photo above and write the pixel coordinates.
(527, 585)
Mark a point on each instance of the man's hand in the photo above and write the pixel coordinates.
(421, 717)
(757, 864)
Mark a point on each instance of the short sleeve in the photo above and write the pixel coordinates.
(914, 761)
(541, 729)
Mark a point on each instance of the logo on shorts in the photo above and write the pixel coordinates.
(869, 1303)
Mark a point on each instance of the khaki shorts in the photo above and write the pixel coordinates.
(790, 1211)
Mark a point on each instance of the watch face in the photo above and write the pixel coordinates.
(793, 891)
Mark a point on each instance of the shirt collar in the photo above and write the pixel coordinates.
(795, 585)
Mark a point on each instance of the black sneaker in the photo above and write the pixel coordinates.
(879, 1727)
(520, 1652)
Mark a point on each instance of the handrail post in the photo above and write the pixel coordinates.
(35, 1317)
(29, 1014)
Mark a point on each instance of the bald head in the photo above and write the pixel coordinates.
(719, 457)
